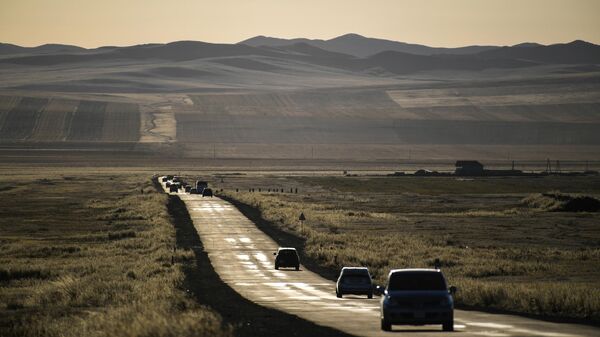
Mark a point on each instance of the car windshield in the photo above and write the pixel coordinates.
(356, 279)
(417, 281)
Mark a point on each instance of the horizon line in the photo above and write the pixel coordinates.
(284, 38)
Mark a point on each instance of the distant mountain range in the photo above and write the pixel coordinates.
(7, 48)
(360, 46)
(349, 52)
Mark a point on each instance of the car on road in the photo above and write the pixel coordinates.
(188, 188)
(287, 257)
(193, 191)
(164, 179)
(417, 297)
(201, 184)
(174, 188)
(355, 281)
(207, 192)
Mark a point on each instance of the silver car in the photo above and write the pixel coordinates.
(417, 297)
(354, 280)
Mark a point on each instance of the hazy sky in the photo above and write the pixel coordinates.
(92, 23)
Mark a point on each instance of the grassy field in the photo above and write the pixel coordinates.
(502, 254)
(91, 255)
(57, 119)
(523, 120)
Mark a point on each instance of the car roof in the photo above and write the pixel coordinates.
(355, 271)
(423, 270)
(287, 248)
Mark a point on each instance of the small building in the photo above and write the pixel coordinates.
(469, 168)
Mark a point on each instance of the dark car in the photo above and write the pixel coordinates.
(188, 189)
(287, 258)
(169, 177)
(168, 184)
(355, 281)
(164, 179)
(193, 191)
(207, 192)
(417, 297)
(174, 188)
(201, 184)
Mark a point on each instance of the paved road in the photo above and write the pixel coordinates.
(242, 255)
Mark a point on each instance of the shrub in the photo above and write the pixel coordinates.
(560, 202)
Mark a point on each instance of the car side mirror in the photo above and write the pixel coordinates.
(379, 290)
(452, 290)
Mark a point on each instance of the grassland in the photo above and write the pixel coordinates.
(514, 114)
(402, 123)
(93, 255)
(59, 119)
(502, 254)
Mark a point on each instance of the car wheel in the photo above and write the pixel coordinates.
(276, 267)
(338, 294)
(385, 325)
(297, 267)
(448, 326)
(370, 295)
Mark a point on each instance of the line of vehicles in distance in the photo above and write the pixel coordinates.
(175, 185)
(409, 297)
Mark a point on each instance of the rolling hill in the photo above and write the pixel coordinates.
(576, 52)
(308, 52)
(7, 49)
(285, 99)
(360, 46)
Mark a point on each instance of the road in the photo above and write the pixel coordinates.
(242, 255)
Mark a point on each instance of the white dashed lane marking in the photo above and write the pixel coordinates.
(242, 256)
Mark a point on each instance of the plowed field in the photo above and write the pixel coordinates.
(37, 119)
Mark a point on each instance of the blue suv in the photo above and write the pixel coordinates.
(417, 297)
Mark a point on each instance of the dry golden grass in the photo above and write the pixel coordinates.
(499, 253)
(561, 202)
(90, 255)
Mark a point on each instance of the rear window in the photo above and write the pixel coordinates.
(417, 281)
(356, 279)
(287, 253)
(362, 272)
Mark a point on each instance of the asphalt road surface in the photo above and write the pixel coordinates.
(242, 255)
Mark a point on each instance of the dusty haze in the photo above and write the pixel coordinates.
(436, 23)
